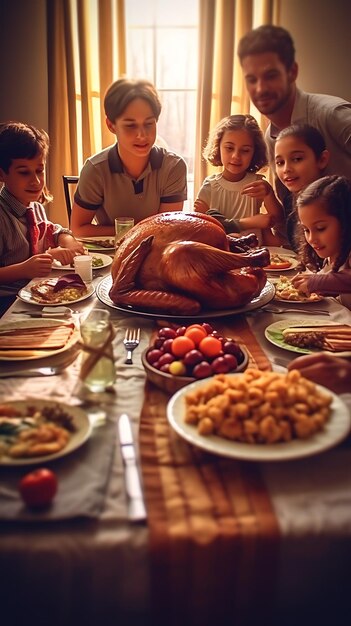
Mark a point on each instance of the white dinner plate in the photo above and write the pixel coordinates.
(94, 243)
(336, 429)
(266, 295)
(274, 333)
(80, 436)
(105, 258)
(10, 355)
(25, 294)
(289, 259)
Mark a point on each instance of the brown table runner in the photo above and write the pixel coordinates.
(213, 532)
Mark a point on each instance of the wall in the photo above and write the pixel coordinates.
(321, 32)
(23, 67)
(320, 29)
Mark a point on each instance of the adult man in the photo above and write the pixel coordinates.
(267, 56)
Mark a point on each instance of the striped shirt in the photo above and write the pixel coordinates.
(14, 242)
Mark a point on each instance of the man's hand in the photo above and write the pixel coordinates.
(325, 369)
(37, 266)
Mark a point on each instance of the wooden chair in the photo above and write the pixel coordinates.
(69, 187)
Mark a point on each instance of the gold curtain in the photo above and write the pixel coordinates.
(221, 89)
(74, 86)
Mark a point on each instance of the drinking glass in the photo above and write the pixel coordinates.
(83, 266)
(98, 367)
(122, 225)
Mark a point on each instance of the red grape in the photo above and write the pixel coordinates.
(220, 366)
(153, 355)
(193, 357)
(180, 331)
(165, 358)
(231, 360)
(168, 333)
(207, 327)
(202, 370)
(167, 345)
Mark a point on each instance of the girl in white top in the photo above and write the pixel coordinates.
(235, 195)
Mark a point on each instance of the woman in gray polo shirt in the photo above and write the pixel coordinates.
(133, 177)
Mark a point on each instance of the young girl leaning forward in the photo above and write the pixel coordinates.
(324, 213)
(300, 158)
(235, 195)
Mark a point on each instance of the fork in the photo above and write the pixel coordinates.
(131, 341)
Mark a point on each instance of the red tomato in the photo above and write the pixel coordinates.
(38, 487)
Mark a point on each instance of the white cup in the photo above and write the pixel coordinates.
(83, 267)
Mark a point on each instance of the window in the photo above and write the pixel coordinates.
(162, 46)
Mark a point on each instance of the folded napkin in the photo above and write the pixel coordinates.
(82, 478)
(83, 475)
(212, 526)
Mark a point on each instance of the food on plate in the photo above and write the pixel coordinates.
(36, 337)
(38, 488)
(68, 287)
(31, 432)
(196, 351)
(285, 290)
(195, 268)
(331, 337)
(278, 262)
(100, 243)
(258, 407)
(97, 261)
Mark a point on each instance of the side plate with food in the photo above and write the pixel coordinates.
(281, 263)
(56, 291)
(304, 337)
(38, 431)
(99, 261)
(286, 292)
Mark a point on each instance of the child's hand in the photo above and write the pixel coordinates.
(258, 189)
(200, 206)
(64, 255)
(300, 282)
(38, 266)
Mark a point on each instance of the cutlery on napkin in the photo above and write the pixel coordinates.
(136, 506)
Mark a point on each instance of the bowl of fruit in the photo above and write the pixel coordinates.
(179, 356)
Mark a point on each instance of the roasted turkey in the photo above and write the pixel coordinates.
(181, 263)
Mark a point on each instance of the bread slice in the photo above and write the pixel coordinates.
(36, 338)
(332, 337)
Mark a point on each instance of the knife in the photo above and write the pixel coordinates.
(136, 506)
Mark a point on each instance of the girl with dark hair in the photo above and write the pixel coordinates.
(300, 158)
(235, 195)
(324, 212)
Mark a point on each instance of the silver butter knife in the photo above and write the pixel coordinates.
(136, 506)
(40, 371)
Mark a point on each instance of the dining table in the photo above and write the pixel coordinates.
(224, 540)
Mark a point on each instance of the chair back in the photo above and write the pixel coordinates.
(69, 187)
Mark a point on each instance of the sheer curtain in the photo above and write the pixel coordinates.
(76, 81)
(78, 77)
(221, 88)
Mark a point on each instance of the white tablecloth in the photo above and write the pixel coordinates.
(97, 571)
